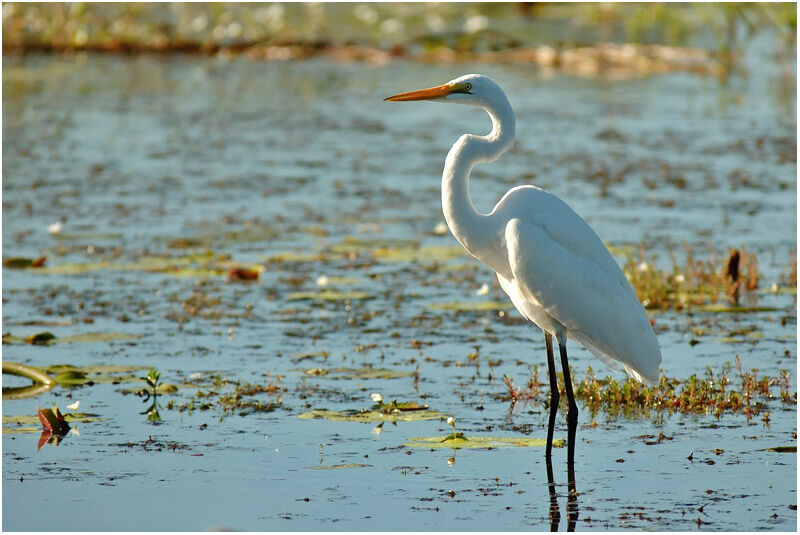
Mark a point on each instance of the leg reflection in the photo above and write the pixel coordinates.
(572, 499)
(555, 514)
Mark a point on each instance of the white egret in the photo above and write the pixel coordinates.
(552, 265)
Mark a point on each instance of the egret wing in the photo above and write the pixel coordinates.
(594, 305)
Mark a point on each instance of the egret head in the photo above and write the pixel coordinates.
(473, 89)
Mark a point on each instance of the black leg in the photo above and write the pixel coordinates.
(555, 513)
(572, 411)
(551, 372)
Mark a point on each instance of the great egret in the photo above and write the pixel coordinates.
(552, 265)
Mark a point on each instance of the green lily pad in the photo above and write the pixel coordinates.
(162, 389)
(40, 338)
(75, 268)
(20, 430)
(372, 416)
(470, 307)
(296, 256)
(67, 375)
(742, 337)
(783, 449)
(337, 281)
(205, 264)
(419, 254)
(327, 295)
(47, 338)
(95, 337)
(71, 378)
(351, 244)
(358, 373)
(339, 466)
(16, 262)
(31, 419)
(99, 368)
(88, 236)
(297, 357)
(459, 441)
(728, 309)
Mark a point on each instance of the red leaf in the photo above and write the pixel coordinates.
(53, 422)
(243, 274)
(39, 262)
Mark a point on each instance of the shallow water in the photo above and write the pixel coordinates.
(258, 160)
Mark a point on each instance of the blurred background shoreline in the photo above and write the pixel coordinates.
(615, 40)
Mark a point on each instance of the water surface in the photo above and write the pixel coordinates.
(144, 156)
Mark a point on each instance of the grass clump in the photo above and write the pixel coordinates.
(241, 399)
(734, 391)
(697, 281)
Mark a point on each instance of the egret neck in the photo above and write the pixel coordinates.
(478, 233)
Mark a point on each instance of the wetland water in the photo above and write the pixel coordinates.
(300, 167)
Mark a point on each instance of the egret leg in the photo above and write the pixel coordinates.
(572, 411)
(551, 372)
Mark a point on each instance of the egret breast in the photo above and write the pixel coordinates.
(530, 308)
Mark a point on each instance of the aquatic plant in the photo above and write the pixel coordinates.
(152, 379)
(694, 282)
(713, 393)
(240, 400)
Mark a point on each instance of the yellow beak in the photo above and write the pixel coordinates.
(430, 93)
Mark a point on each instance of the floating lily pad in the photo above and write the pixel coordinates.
(300, 256)
(40, 338)
(20, 430)
(15, 262)
(161, 389)
(297, 357)
(371, 416)
(470, 307)
(328, 295)
(338, 281)
(23, 422)
(351, 244)
(339, 466)
(419, 254)
(71, 378)
(95, 337)
(47, 338)
(459, 441)
(194, 265)
(88, 236)
(67, 375)
(729, 309)
(98, 369)
(751, 336)
(358, 373)
(783, 449)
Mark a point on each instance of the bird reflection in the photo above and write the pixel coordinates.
(572, 498)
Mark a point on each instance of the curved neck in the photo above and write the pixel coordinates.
(470, 227)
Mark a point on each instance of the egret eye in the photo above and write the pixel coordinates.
(468, 87)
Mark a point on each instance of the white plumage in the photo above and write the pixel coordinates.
(552, 265)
